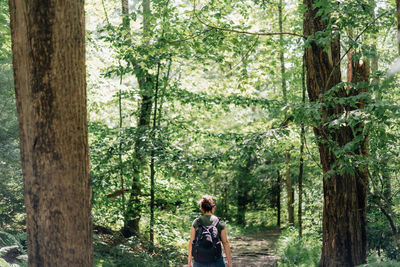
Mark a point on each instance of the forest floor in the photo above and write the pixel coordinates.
(255, 249)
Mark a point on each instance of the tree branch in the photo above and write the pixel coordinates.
(240, 31)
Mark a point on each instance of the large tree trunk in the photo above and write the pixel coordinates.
(344, 215)
(48, 42)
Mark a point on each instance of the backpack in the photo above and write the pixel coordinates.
(206, 245)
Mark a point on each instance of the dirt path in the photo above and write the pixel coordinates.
(255, 250)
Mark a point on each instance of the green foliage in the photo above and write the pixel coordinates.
(221, 121)
(3, 263)
(298, 252)
(11, 245)
(123, 255)
(11, 194)
(376, 261)
(7, 240)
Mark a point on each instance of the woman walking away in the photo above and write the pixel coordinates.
(206, 235)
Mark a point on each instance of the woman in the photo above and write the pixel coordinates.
(208, 220)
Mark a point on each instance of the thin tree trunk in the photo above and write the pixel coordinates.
(288, 178)
(278, 199)
(290, 191)
(125, 13)
(388, 212)
(301, 165)
(281, 51)
(121, 168)
(152, 167)
(48, 43)
(344, 214)
(241, 199)
(146, 85)
(242, 192)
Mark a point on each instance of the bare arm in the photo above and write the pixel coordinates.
(192, 234)
(227, 248)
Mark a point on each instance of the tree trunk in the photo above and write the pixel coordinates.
(301, 164)
(120, 161)
(288, 178)
(146, 86)
(278, 200)
(344, 214)
(289, 189)
(281, 51)
(134, 208)
(242, 198)
(152, 155)
(125, 14)
(48, 43)
(243, 191)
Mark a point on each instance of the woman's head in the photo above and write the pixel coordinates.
(206, 203)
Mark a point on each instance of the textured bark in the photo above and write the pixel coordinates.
(344, 215)
(48, 43)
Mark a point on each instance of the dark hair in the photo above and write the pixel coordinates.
(206, 203)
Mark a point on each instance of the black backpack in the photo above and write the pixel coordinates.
(206, 244)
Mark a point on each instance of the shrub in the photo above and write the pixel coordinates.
(294, 251)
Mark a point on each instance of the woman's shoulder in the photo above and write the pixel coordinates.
(195, 222)
(207, 220)
(221, 223)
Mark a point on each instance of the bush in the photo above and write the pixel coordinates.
(133, 252)
(294, 251)
(374, 260)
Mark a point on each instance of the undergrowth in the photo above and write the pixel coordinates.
(293, 251)
(134, 252)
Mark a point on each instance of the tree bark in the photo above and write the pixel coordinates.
(344, 214)
(48, 43)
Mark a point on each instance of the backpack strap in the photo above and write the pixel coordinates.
(199, 223)
(215, 222)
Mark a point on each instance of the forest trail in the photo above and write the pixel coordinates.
(255, 249)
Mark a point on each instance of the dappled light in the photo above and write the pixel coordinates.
(194, 133)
